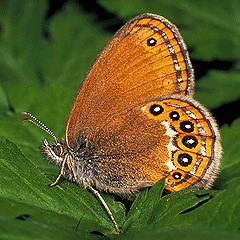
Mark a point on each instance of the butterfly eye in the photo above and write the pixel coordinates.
(58, 150)
(151, 42)
(156, 109)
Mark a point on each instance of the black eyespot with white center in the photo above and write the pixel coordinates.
(184, 159)
(156, 109)
(190, 141)
(151, 42)
(174, 115)
(177, 175)
(187, 126)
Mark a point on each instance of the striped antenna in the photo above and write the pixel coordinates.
(37, 122)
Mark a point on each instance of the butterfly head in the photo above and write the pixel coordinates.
(55, 152)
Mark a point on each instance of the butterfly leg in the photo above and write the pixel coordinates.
(71, 167)
(68, 160)
(60, 174)
(98, 195)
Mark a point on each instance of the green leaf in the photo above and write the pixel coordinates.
(213, 90)
(141, 212)
(231, 144)
(29, 222)
(41, 73)
(3, 100)
(73, 32)
(197, 233)
(191, 210)
(23, 182)
(14, 229)
(230, 164)
(194, 209)
(220, 211)
(21, 43)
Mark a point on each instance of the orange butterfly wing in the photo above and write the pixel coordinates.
(173, 137)
(146, 58)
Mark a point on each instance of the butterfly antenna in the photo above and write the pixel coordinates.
(38, 123)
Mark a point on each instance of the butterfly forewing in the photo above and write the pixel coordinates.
(146, 58)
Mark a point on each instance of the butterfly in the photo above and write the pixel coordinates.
(134, 120)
